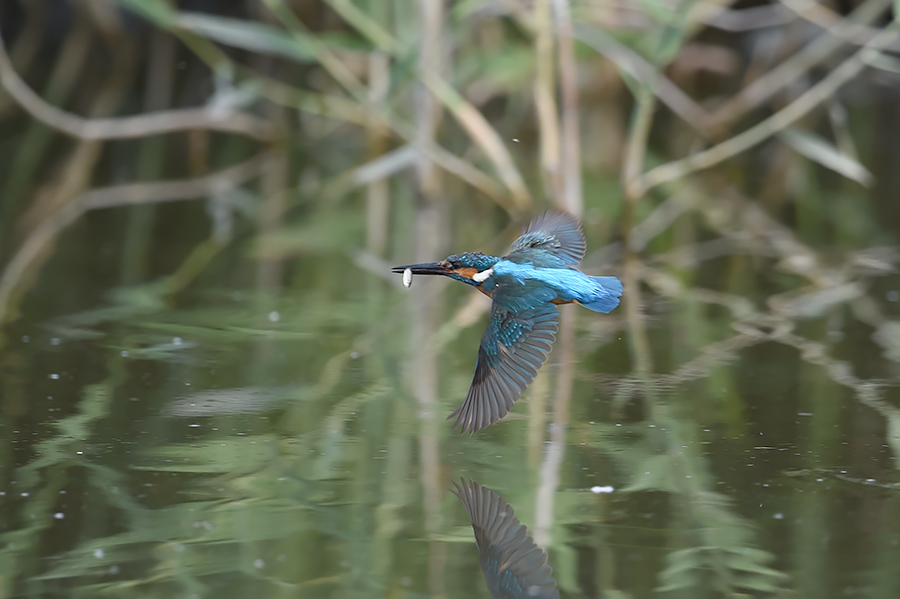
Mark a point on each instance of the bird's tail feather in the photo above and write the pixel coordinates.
(613, 287)
(611, 284)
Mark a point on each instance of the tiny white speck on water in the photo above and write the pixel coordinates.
(354, 355)
(59, 515)
(55, 341)
(99, 553)
(778, 516)
(124, 353)
(893, 295)
(54, 376)
(177, 341)
(407, 278)
(194, 425)
(515, 139)
(274, 316)
(25, 338)
(599, 490)
(79, 453)
(24, 494)
(259, 564)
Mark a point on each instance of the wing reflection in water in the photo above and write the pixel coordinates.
(513, 566)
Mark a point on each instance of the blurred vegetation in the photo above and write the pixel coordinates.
(208, 385)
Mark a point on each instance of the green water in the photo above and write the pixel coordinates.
(233, 441)
(211, 386)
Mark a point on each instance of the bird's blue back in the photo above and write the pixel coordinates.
(541, 284)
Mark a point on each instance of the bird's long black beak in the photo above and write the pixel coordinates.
(426, 268)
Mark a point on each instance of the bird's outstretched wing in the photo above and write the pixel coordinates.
(513, 565)
(558, 233)
(523, 325)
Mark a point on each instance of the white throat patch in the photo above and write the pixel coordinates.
(484, 275)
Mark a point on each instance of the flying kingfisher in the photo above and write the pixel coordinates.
(525, 286)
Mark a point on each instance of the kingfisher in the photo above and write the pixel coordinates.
(525, 285)
(513, 566)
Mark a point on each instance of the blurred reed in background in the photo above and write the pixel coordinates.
(701, 143)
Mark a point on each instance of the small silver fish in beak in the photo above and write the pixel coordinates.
(407, 278)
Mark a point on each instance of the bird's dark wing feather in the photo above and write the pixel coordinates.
(558, 233)
(513, 565)
(523, 325)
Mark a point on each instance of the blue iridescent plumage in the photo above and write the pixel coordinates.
(513, 566)
(525, 286)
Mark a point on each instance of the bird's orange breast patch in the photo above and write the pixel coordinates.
(467, 272)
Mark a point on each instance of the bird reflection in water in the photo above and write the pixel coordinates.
(513, 566)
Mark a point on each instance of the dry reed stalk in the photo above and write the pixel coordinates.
(129, 194)
(809, 100)
(572, 201)
(429, 231)
(207, 117)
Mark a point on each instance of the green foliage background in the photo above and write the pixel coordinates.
(212, 386)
